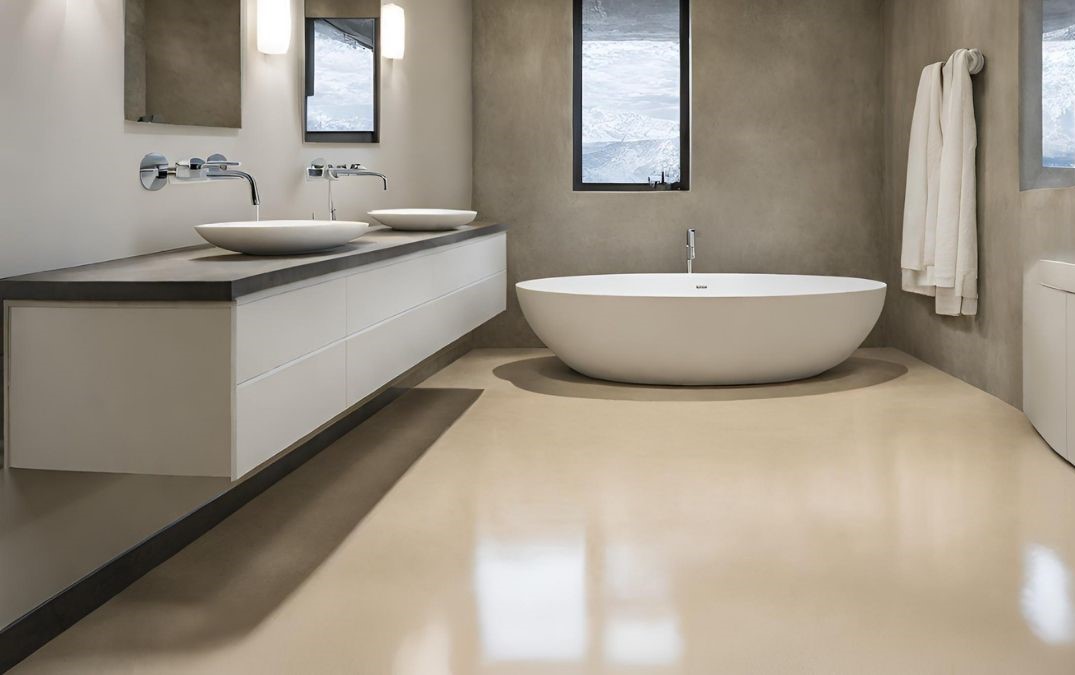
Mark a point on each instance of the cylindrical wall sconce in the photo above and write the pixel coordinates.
(393, 31)
(274, 26)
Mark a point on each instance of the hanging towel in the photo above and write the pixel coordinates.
(940, 224)
(956, 253)
(923, 176)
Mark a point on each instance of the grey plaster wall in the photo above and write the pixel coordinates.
(1013, 228)
(786, 147)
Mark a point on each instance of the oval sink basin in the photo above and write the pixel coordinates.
(281, 237)
(423, 219)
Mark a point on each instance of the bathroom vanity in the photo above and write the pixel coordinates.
(201, 362)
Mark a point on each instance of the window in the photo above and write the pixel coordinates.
(631, 98)
(1058, 84)
(1047, 94)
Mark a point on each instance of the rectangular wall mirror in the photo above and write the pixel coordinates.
(342, 74)
(183, 62)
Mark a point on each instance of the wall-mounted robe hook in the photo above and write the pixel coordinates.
(976, 62)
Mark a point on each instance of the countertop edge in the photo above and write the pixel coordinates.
(18, 288)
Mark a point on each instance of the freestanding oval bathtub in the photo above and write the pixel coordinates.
(702, 329)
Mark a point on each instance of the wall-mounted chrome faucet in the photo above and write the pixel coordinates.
(690, 251)
(319, 169)
(154, 172)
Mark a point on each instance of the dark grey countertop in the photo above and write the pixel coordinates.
(210, 273)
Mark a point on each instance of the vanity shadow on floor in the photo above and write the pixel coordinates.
(548, 375)
(239, 586)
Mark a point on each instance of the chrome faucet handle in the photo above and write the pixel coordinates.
(153, 171)
(190, 169)
(220, 161)
(318, 169)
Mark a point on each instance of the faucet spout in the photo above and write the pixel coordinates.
(319, 169)
(358, 170)
(223, 174)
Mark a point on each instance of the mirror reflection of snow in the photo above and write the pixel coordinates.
(630, 91)
(343, 94)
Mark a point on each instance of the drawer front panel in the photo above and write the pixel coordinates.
(464, 265)
(378, 294)
(379, 354)
(126, 389)
(278, 409)
(382, 293)
(275, 330)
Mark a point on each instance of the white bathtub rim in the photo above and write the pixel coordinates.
(796, 285)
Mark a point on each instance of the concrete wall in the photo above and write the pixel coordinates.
(983, 350)
(70, 195)
(786, 153)
(1014, 228)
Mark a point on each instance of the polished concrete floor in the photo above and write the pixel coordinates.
(884, 518)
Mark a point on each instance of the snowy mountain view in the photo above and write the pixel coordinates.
(343, 77)
(1058, 86)
(630, 91)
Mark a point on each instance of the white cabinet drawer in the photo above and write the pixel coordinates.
(274, 411)
(382, 293)
(379, 354)
(275, 330)
(464, 265)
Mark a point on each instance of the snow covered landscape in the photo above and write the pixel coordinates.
(630, 91)
(343, 82)
(1058, 98)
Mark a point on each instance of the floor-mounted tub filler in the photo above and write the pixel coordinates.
(702, 329)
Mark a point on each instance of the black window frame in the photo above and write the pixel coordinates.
(684, 109)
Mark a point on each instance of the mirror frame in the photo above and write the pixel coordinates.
(308, 79)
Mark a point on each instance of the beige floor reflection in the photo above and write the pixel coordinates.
(917, 525)
(571, 601)
(549, 375)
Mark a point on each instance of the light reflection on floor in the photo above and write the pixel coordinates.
(1046, 600)
(532, 599)
(912, 524)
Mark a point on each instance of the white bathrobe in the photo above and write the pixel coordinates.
(920, 198)
(940, 222)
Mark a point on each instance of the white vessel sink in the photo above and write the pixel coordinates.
(423, 219)
(281, 237)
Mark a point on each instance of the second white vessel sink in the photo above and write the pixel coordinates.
(423, 219)
(281, 237)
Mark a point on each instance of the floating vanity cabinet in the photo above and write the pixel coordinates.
(108, 373)
(1049, 353)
